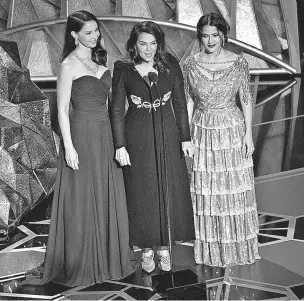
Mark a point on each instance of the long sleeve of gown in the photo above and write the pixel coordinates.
(179, 101)
(117, 105)
(185, 71)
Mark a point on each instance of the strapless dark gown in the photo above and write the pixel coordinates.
(88, 239)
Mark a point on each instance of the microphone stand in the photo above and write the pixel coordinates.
(158, 174)
(153, 79)
(183, 284)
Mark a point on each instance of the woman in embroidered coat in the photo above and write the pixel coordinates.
(151, 166)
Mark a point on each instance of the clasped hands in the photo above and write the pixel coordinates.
(123, 158)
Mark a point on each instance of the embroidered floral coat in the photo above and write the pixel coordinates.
(152, 131)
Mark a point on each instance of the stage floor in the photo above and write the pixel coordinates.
(278, 275)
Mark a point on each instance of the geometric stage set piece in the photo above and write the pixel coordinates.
(28, 157)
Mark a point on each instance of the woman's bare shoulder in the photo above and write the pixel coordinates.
(68, 66)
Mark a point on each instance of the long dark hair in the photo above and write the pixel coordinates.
(155, 30)
(74, 23)
(212, 19)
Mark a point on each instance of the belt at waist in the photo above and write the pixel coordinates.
(86, 116)
(217, 110)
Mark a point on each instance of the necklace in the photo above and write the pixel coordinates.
(81, 60)
(225, 62)
(222, 71)
(202, 55)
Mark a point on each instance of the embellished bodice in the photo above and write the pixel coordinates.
(217, 91)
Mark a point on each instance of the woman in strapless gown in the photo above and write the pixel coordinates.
(88, 239)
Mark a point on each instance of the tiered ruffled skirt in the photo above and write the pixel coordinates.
(222, 189)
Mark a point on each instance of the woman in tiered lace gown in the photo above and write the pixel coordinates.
(222, 181)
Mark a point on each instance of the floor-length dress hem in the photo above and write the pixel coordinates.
(222, 179)
(88, 238)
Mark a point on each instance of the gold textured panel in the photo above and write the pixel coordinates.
(275, 16)
(7, 164)
(136, 8)
(27, 148)
(246, 25)
(23, 12)
(3, 83)
(45, 10)
(247, 30)
(189, 12)
(103, 7)
(276, 20)
(11, 112)
(4, 207)
(74, 5)
(40, 56)
(254, 62)
(7, 61)
(221, 5)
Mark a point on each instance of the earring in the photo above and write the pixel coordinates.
(76, 41)
(223, 42)
(136, 53)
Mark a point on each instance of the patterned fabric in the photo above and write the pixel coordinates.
(222, 180)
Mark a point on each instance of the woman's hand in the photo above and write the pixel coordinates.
(248, 146)
(71, 157)
(188, 148)
(122, 156)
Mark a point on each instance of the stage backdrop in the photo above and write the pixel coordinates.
(28, 155)
(268, 28)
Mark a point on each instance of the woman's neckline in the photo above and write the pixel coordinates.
(88, 75)
(223, 72)
(201, 55)
(196, 58)
(146, 75)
